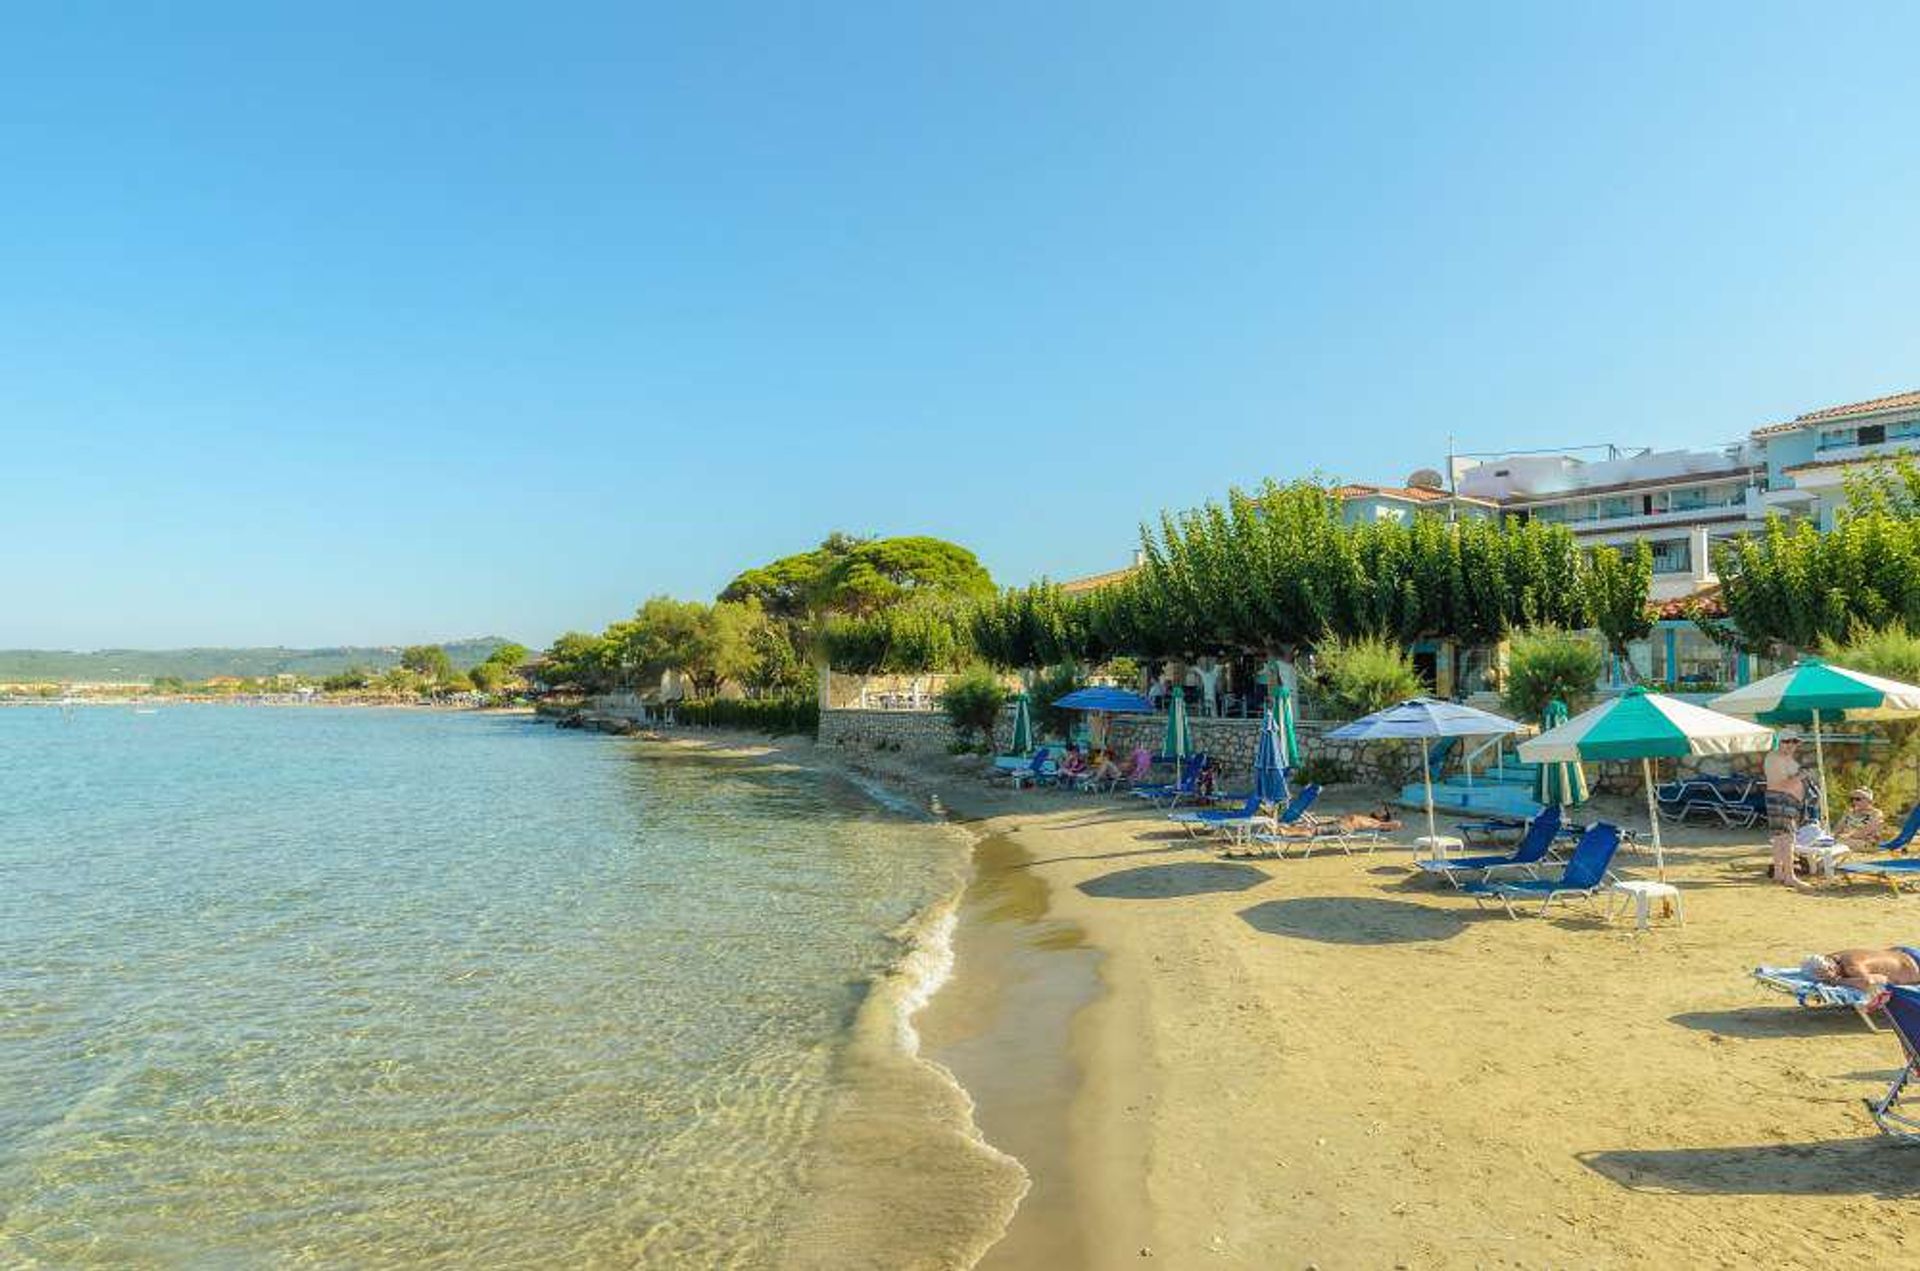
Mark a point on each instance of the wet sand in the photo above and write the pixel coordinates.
(1331, 1061)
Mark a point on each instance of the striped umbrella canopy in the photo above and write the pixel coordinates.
(1425, 718)
(1022, 725)
(1646, 726)
(1562, 784)
(1178, 743)
(1269, 772)
(1812, 690)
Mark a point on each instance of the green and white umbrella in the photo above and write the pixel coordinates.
(1646, 726)
(1178, 743)
(1022, 725)
(1561, 784)
(1280, 705)
(1811, 691)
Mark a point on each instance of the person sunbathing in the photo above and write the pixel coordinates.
(1105, 771)
(1074, 766)
(1865, 969)
(1380, 821)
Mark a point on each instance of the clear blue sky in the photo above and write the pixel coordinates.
(388, 322)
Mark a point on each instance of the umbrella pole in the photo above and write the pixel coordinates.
(1653, 817)
(1820, 762)
(1426, 775)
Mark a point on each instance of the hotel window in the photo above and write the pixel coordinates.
(1672, 556)
(1872, 434)
(1616, 506)
(1691, 499)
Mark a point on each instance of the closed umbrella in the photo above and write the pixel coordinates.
(1812, 690)
(1282, 712)
(1178, 743)
(1269, 771)
(1022, 725)
(1561, 784)
(1646, 726)
(1423, 719)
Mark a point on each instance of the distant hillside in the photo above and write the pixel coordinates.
(18, 666)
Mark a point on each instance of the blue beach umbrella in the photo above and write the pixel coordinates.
(1269, 772)
(1423, 719)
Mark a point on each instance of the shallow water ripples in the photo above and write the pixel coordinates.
(386, 988)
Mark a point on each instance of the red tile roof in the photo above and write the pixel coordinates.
(1709, 599)
(1094, 582)
(1893, 401)
(1407, 494)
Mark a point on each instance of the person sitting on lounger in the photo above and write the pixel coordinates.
(1862, 826)
(1865, 969)
(1074, 765)
(1104, 771)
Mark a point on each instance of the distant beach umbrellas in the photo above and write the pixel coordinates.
(1562, 784)
(1424, 719)
(1811, 691)
(1646, 726)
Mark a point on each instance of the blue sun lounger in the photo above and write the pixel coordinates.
(1173, 791)
(1584, 876)
(1206, 820)
(1903, 1012)
(1889, 872)
(1531, 850)
(1809, 992)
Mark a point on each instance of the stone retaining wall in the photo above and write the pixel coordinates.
(1230, 741)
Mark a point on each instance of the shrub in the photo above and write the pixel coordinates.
(1321, 770)
(1049, 686)
(1360, 676)
(1892, 653)
(972, 701)
(1547, 663)
(777, 716)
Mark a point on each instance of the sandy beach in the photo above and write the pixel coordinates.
(1332, 1062)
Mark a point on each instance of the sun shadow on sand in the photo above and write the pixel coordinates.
(1157, 882)
(1838, 1167)
(1353, 920)
(1783, 1020)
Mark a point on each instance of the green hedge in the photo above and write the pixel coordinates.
(777, 716)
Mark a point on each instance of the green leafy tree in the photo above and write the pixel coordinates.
(1363, 675)
(429, 661)
(1614, 588)
(1049, 686)
(509, 655)
(583, 662)
(972, 702)
(1547, 664)
(883, 572)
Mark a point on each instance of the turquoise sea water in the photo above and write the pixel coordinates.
(379, 987)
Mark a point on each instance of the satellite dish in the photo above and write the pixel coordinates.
(1427, 479)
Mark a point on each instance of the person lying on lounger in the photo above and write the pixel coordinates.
(1865, 969)
(1380, 821)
